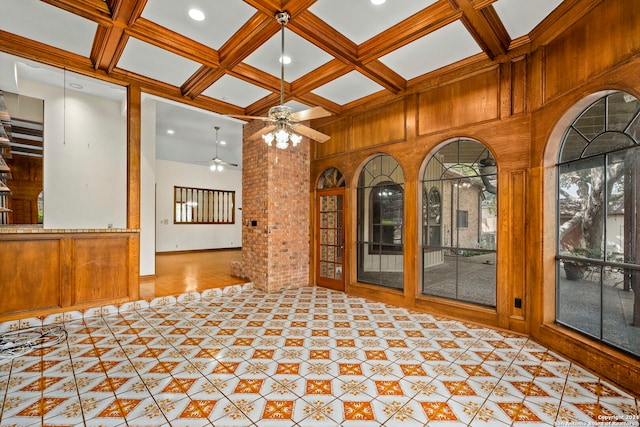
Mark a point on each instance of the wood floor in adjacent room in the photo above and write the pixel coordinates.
(179, 273)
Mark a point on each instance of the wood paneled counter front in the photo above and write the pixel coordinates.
(44, 271)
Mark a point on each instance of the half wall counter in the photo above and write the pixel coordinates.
(45, 271)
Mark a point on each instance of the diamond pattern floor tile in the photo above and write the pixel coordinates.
(305, 357)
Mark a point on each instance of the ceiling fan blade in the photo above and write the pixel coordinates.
(239, 116)
(261, 132)
(228, 163)
(310, 133)
(310, 114)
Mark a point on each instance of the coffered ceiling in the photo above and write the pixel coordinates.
(343, 52)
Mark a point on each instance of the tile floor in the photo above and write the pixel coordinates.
(307, 357)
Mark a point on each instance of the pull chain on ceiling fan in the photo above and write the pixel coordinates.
(217, 163)
(284, 124)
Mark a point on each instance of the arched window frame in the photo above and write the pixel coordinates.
(380, 262)
(458, 170)
(598, 178)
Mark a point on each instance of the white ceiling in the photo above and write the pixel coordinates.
(357, 20)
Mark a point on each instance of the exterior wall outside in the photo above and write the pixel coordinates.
(467, 200)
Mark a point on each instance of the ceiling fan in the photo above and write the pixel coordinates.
(217, 163)
(284, 125)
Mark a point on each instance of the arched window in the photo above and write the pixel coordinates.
(381, 223)
(330, 178)
(597, 290)
(459, 223)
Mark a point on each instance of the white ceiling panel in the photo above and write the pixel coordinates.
(520, 17)
(442, 47)
(360, 20)
(222, 18)
(151, 61)
(348, 88)
(305, 57)
(235, 91)
(47, 24)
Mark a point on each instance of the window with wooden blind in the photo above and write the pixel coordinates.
(203, 206)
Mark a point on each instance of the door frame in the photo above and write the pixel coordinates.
(338, 285)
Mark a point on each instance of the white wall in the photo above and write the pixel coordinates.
(183, 237)
(148, 189)
(85, 161)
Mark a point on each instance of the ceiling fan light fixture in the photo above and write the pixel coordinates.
(217, 163)
(285, 127)
(282, 137)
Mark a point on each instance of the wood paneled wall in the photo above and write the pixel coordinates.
(519, 110)
(44, 273)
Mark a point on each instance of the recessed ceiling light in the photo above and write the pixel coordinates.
(196, 14)
(223, 142)
(75, 85)
(285, 60)
(377, 2)
(170, 131)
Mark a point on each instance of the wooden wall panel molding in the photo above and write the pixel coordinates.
(378, 126)
(100, 270)
(468, 101)
(339, 142)
(518, 79)
(30, 275)
(516, 218)
(582, 53)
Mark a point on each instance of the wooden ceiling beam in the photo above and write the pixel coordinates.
(261, 106)
(110, 41)
(257, 77)
(411, 29)
(314, 30)
(481, 4)
(112, 17)
(312, 100)
(320, 76)
(485, 27)
(94, 10)
(199, 81)
(384, 76)
(45, 54)
(256, 31)
(173, 42)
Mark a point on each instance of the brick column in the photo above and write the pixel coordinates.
(275, 212)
